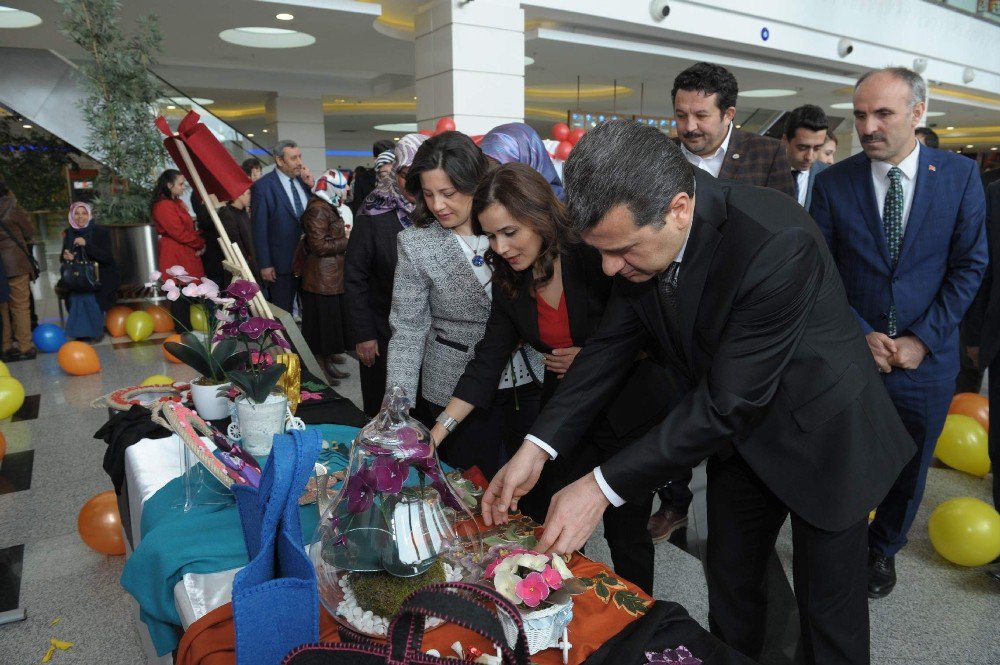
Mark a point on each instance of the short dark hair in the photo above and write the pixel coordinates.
(809, 116)
(382, 145)
(931, 139)
(709, 79)
(279, 148)
(527, 197)
(457, 156)
(622, 162)
(250, 164)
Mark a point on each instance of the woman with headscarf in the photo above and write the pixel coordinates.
(324, 243)
(371, 267)
(85, 239)
(518, 142)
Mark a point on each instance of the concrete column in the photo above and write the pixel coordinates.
(298, 119)
(470, 63)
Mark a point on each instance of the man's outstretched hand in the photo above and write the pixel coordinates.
(573, 515)
(513, 481)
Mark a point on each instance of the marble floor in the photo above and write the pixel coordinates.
(940, 613)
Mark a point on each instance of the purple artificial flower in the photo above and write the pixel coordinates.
(389, 475)
(256, 326)
(360, 492)
(280, 341)
(446, 495)
(678, 656)
(242, 290)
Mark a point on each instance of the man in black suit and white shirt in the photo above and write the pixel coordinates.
(804, 137)
(735, 290)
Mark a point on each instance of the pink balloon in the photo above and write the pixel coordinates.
(560, 131)
(563, 150)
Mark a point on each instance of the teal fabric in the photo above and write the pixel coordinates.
(206, 539)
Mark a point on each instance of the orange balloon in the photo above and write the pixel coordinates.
(78, 359)
(166, 354)
(100, 525)
(162, 321)
(972, 405)
(114, 320)
(3, 445)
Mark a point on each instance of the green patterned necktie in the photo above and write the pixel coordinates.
(892, 224)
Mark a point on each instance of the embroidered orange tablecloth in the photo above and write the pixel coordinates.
(609, 604)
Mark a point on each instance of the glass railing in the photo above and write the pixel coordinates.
(174, 104)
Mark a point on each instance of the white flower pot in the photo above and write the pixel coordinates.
(208, 402)
(260, 422)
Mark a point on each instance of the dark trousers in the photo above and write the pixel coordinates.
(970, 377)
(830, 571)
(995, 431)
(373, 380)
(282, 291)
(488, 437)
(922, 407)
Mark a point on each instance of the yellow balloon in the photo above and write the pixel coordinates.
(199, 318)
(157, 380)
(3, 369)
(11, 396)
(964, 445)
(139, 325)
(965, 531)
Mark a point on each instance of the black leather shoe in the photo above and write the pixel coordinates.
(331, 369)
(881, 574)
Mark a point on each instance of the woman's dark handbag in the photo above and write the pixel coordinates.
(81, 275)
(460, 603)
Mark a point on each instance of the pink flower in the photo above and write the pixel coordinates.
(191, 290)
(208, 289)
(306, 395)
(155, 275)
(532, 590)
(552, 578)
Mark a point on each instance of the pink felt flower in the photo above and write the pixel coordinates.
(191, 290)
(176, 271)
(155, 275)
(532, 590)
(306, 395)
(552, 578)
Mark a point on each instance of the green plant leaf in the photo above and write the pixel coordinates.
(236, 361)
(242, 381)
(266, 381)
(193, 357)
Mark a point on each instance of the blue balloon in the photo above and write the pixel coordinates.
(48, 337)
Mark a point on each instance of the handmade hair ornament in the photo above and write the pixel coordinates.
(124, 399)
(230, 464)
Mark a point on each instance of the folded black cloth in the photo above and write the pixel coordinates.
(331, 407)
(122, 430)
(665, 626)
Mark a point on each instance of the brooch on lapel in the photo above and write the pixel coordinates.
(931, 167)
(736, 155)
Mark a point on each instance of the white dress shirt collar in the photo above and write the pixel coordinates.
(712, 163)
(880, 169)
(880, 181)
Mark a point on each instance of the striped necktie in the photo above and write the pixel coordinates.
(892, 225)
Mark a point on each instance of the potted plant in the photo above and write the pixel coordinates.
(119, 99)
(260, 409)
(196, 350)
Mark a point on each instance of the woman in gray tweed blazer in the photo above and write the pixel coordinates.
(440, 304)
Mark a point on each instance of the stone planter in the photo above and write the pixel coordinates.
(258, 423)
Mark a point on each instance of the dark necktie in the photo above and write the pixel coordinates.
(296, 202)
(795, 183)
(892, 225)
(668, 299)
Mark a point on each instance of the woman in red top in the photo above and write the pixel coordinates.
(549, 291)
(180, 242)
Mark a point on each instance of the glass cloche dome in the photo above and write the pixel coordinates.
(396, 525)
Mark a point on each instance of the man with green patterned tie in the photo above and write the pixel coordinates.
(905, 225)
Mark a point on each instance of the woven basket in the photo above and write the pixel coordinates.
(543, 628)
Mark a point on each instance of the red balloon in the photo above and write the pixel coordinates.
(563, 150)
(478, 138)
(576, 135)
(445, 125)
(972, 405)
(426, 132)
(560, 131)
(100, 525)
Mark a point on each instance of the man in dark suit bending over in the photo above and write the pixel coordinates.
(735, 291)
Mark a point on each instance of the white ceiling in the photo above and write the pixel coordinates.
(353, 62)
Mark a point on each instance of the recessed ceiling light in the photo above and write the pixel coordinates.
(395, 138)
(284, 16)
(970, 146)
(949, 128)
(768, 92)
(264, 130)
(18, 18)
(934, 114)
(171, 107)
(993, 148)
(261, 37)
(414, 98)
(250, 135)
(26, 126)
(528, 61)
(406, 127)
(842, 105)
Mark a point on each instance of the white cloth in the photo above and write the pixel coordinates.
(471, 247)
(347, 216)
(802, 183)
(713, 163)
(292, 191)
(880, 178)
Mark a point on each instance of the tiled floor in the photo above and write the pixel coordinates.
(940, 613)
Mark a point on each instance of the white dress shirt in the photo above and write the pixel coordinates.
(609, 493)
(880, 178)
(713, 163)
(802, 183)
(291, 191)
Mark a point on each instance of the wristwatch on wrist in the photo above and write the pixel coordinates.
(447, 421)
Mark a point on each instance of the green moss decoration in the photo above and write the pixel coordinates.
(383, 594)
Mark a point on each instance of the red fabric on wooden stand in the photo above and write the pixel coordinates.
(219, 172)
